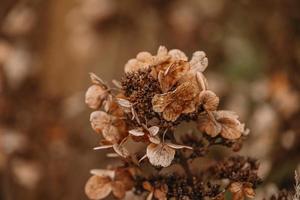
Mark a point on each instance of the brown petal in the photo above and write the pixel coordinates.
(207, 125)
(134, 65)
(97, 80)
(98, 187)
(199, 62)
(177, 55)
(153, 130)
(173, 73)
(111, 134)
(147, 186)
(170, 114)
(121, 150)
(100, 120)
(201, 80)
(94, 96)
(235, 187)
(118, 189)
(178, 146)
(249, 192)
(230, 128)
(103, 173)
(124, 176)
(209, 100)
(160, 155)
(137, 132)
(160, 194)
(144, 57)
(161, 101)
(154, 139)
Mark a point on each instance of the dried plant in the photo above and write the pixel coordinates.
(140, 117)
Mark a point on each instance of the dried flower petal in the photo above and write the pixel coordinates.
(199, 62)
(209, 100)
(177, 55)
(94, 96)
(121, 150)
(207, 125)
(178, 146)
(153, 130)
(100, 120)
(173, 73)
(98, 187)
(103, 172)
(118, 189)
(173, 104)
(137, 132)
(160, 154)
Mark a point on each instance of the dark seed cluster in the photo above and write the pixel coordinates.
(238, 169)
(181, 187)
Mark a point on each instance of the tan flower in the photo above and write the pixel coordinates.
(162, 154)
(104, 123)
(159, 193)
(241, 190)
(225, 123)
(103, 182)
(172, 104)
(199, 62)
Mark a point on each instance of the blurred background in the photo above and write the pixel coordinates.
(47, 49)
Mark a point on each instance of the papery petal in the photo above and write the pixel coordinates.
(177, 55)
(209, 100)
(103, 172)
(154, 139)
(199, 62)
(98, 187)
(153, 130)
(121, 150)
(178, 146)
(94, 96)
(160, 155)
(205, 124)
(145, 57)
(137, 132)
(118, 189)
(161, 101)
(100, 120)
(111, 134)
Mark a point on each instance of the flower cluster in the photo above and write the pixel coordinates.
(156, 94)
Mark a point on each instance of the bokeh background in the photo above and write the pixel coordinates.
(47, 49)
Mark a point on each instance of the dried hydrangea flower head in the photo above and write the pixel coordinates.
(156, 94)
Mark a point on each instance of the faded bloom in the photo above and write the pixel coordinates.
(139, 116)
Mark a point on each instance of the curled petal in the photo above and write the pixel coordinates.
(209, 100)
(207, 125)
(98, 187)
(121, 150)
(137, 132)
(178, 146)
(160, 154)
(153, 130)
(201, 80)
(103, 172)
(199, 62)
